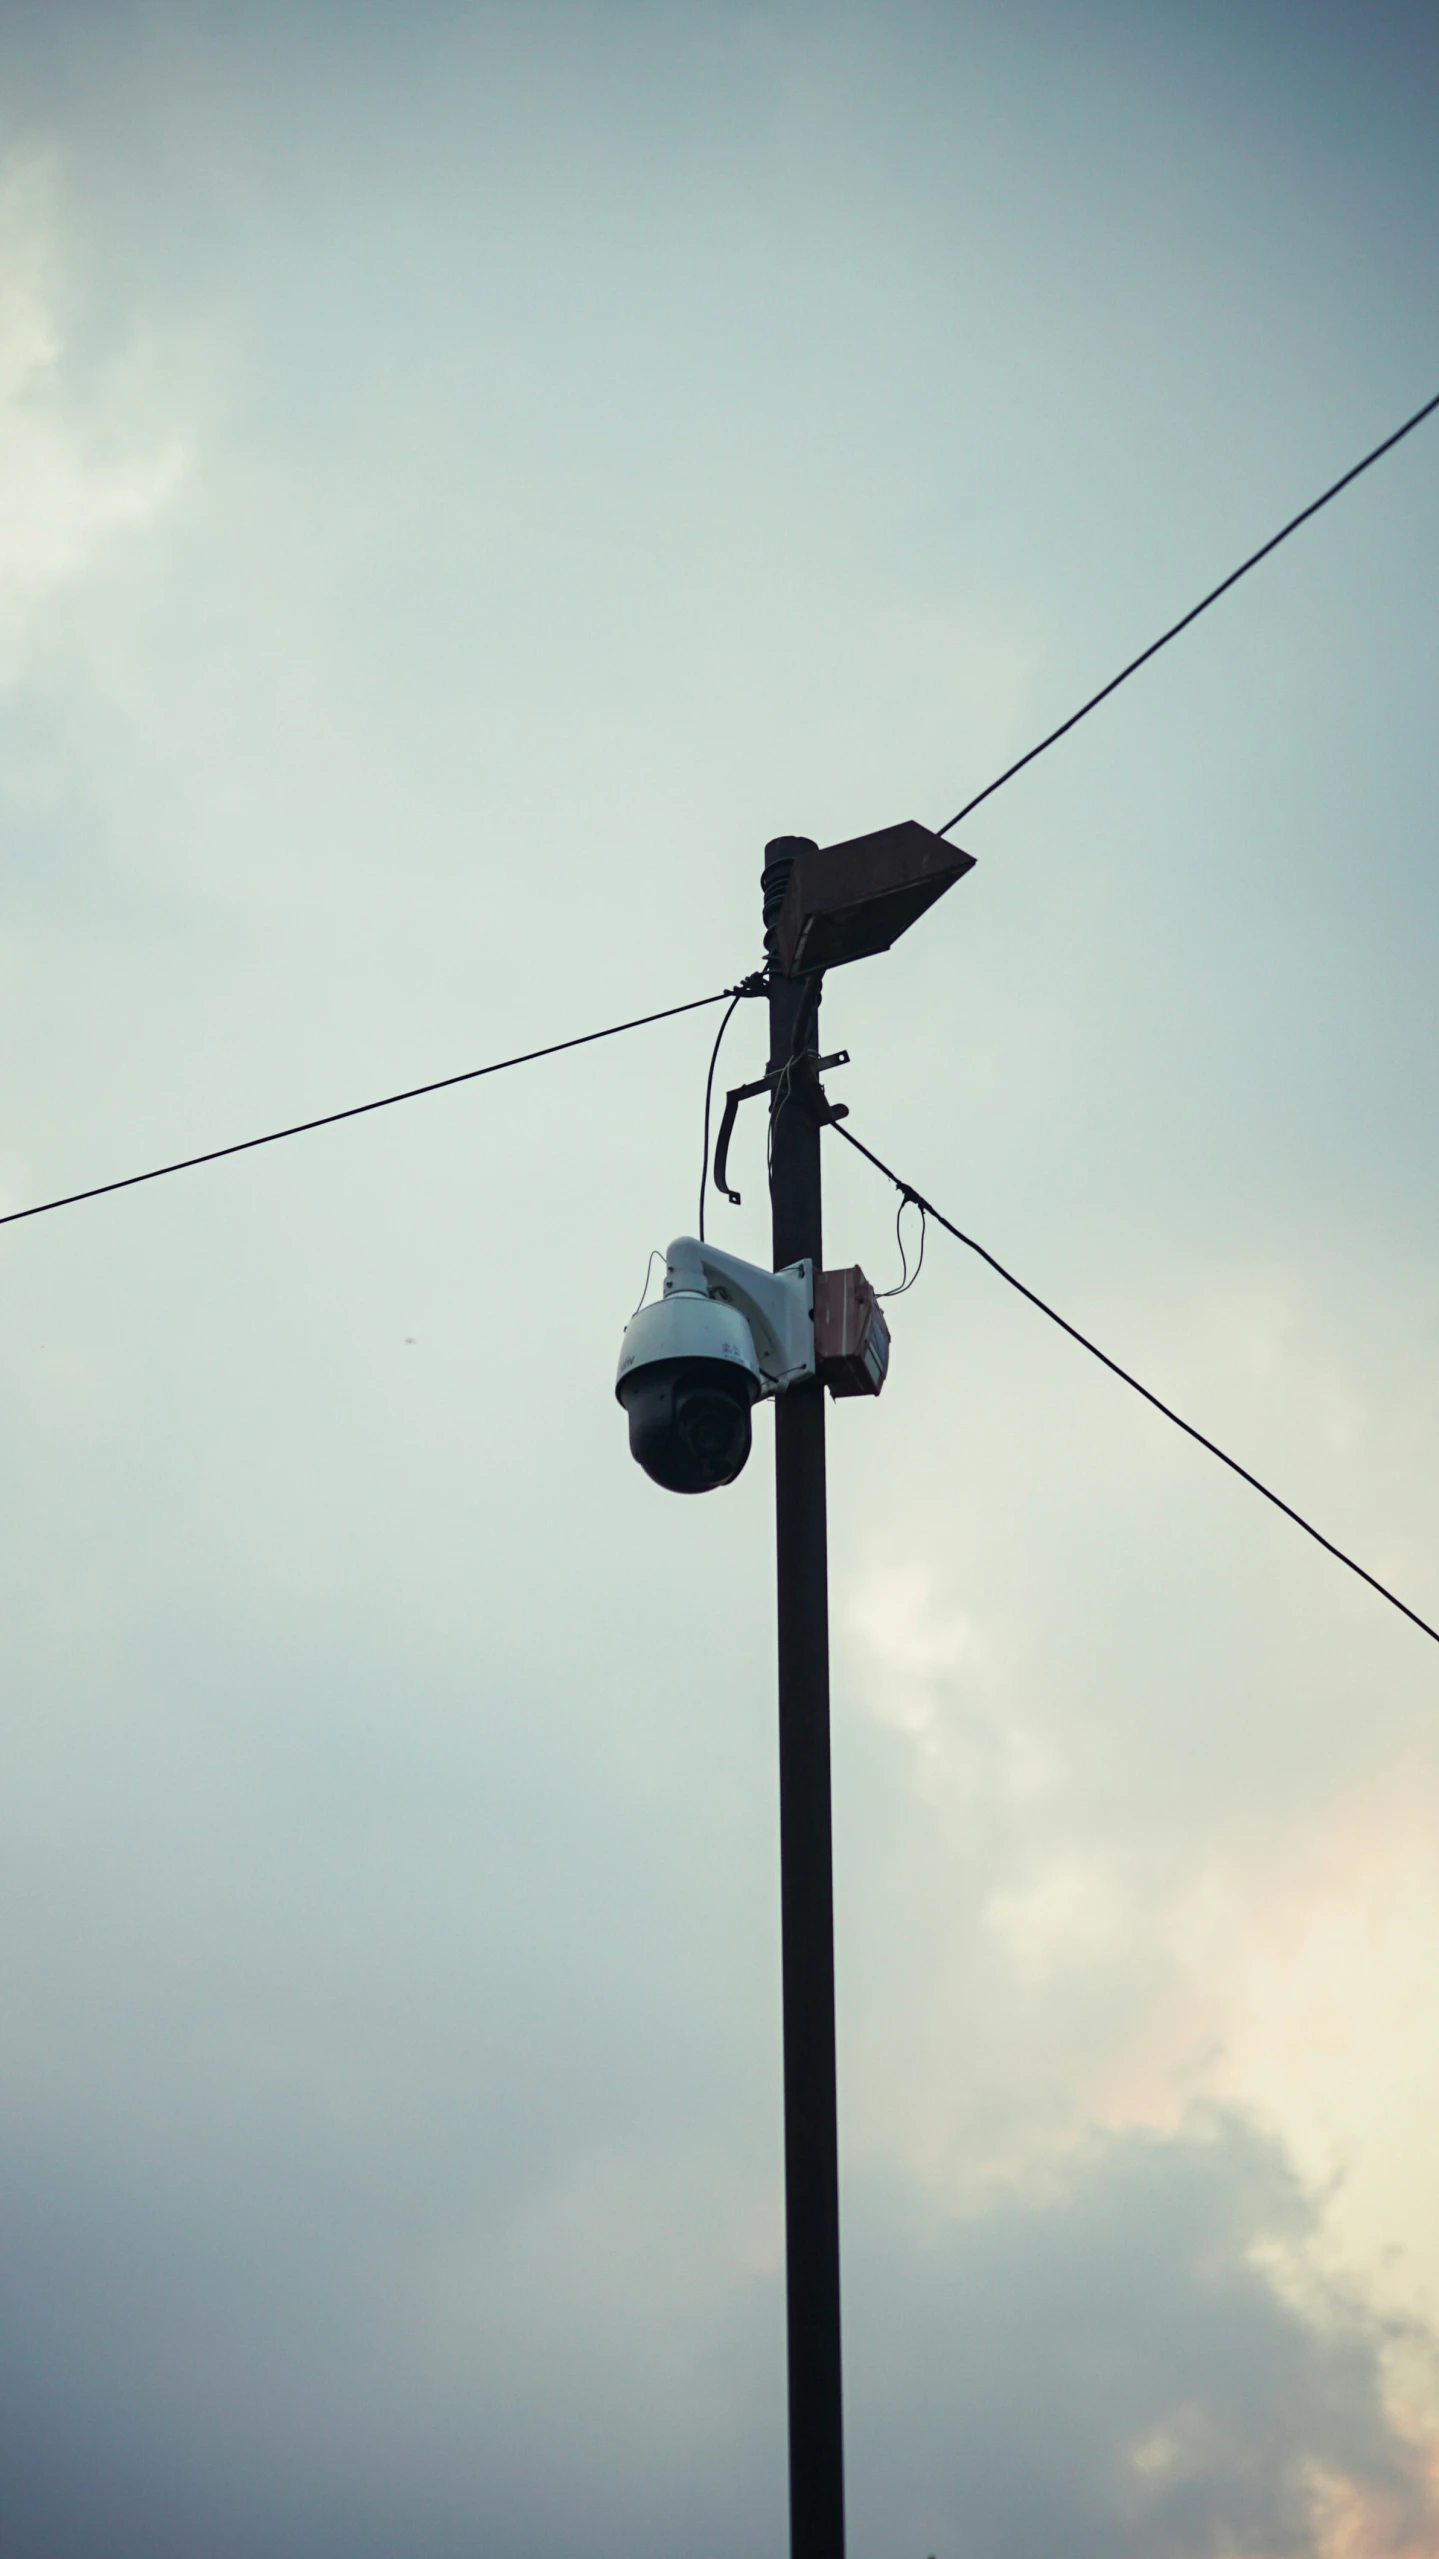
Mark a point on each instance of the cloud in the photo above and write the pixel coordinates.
(63, 495)
(1113, 2371)
(1115, 2366)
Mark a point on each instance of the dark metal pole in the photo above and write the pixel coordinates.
(811, 2150)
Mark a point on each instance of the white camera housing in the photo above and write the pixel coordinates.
(722, 1335)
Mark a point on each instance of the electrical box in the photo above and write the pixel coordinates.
(851, 1337)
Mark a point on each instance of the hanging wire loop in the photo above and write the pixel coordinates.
(907, 1199)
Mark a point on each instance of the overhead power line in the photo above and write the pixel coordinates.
(357, 1110)
(415, 1092)
(928, 1208)
(1193, 614)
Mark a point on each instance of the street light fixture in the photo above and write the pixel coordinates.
(847, 901)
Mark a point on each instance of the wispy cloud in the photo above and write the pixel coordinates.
(68, 485)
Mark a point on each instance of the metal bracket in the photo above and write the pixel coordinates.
(803, 1073)
(778, 1306)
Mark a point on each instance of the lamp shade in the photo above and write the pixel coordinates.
(847, 901)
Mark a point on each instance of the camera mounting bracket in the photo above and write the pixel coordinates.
(778, 1306)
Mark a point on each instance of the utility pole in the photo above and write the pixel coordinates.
(691, 1366)
(811, 2139)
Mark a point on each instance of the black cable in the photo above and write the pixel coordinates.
(907, 1277)
(1193, 614)
(739, 996)
(801, 1044)
(357, 1110)
(1160, 1407)
(783, 1087)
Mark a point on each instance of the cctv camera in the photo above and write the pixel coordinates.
(694, 1364)
(688, 1376)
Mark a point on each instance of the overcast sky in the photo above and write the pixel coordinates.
(468, 476)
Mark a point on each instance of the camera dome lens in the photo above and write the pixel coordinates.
(689, 1421)
(714, 1430)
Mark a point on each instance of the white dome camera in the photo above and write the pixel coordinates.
(722, 1335)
